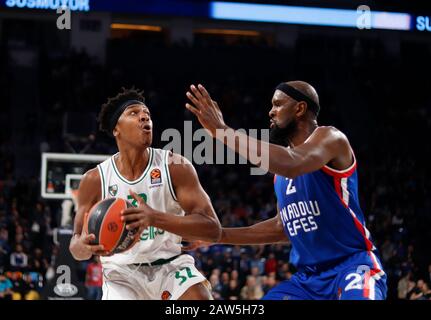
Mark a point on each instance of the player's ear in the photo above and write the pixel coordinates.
(301, 109)
(115, 132)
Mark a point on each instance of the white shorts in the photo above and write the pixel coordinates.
(164, 282)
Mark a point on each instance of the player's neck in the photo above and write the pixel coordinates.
(132, 162)
(303, 131)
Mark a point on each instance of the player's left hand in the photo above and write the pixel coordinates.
(205, 109)
(196, 244)
(140, 217)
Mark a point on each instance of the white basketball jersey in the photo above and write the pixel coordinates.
(155, 187)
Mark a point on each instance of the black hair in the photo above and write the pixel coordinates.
(109, 108)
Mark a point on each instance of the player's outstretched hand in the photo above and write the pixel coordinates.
(205, 109)
(193, 245)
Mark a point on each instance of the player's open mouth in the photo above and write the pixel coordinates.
(146, 128)
(272, 124)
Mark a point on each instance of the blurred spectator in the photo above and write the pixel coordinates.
(29, 288)
(258, 275)
(225, 278)
(233, 290)
(244, 264)
(94, 279)
(38, 263)
(426, 292)
(5, 288)
(234, 275)
(405, 285)
(282, 272)
(4, 249)
(38, 227)
(19, 288)
(216, 286)
(271, 264)
(270, 282)
(18, 259)
(227, 261)
(417, 292)
(251, 290)
(387, 250)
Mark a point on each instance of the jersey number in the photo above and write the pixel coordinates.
(183, 278)
(134, 202)
(355, 283)
(290, 187)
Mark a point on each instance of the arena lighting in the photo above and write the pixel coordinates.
(142, 27)
(306, 15)
(228, 32)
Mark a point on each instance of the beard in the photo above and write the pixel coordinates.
(280, 136)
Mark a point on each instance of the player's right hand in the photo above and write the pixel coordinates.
(205, 109)
(82, 248)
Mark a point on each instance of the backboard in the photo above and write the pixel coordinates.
(62, 172)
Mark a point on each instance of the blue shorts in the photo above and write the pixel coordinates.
(359, 277)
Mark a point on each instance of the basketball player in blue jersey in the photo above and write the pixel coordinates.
(316, 184)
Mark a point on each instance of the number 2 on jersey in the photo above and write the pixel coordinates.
(290, 187)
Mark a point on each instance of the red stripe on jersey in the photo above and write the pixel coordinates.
(340, 174)
(376, 269)
(337, 185)
(366, 292)
(361, 229)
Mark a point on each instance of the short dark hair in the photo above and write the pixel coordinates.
(113, 103)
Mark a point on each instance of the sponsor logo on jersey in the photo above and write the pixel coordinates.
(156, 176)
(166, 295)
(151, 233)
(300, 215)
(113, 190)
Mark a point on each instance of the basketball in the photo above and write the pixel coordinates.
(104, 221)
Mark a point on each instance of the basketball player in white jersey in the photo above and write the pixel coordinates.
(167, 187)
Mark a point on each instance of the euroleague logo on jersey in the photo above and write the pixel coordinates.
(156, 176)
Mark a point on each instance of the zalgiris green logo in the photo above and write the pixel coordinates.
(113, 190)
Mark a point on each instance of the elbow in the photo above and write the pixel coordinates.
(216, 232)
(213, 231)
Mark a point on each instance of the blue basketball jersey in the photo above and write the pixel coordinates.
(321, 216)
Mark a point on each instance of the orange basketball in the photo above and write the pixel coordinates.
(104, 221)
